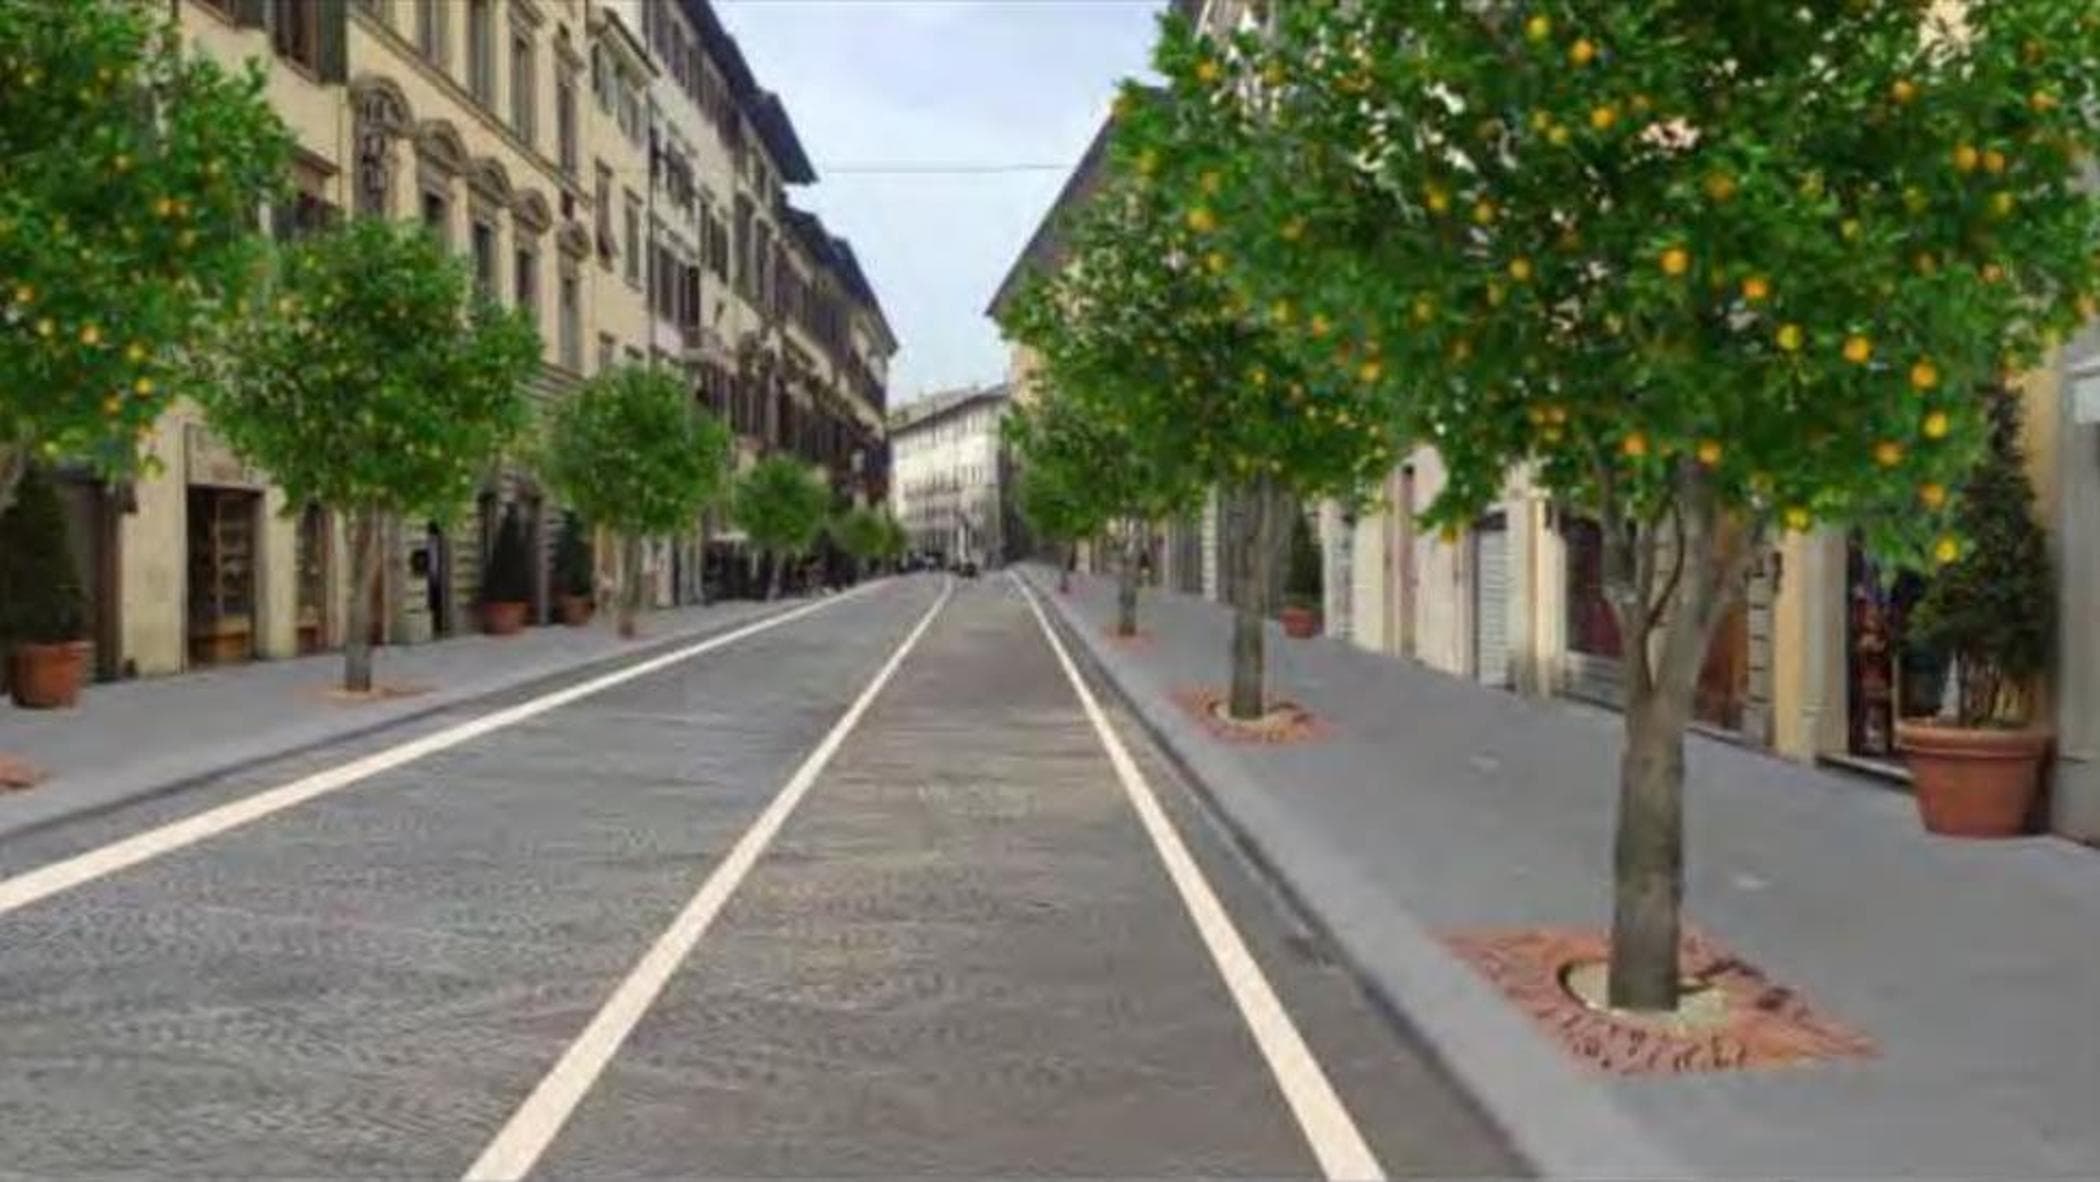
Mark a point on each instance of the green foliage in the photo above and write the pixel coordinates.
(1054, 503)
(1993, 609)
(127, 219)
(40, 597)
(1754, 255)
(508, 577)
(861, 533)
(781, 505)
(373, 377)
(1303, 578)
(895, 539)
(572, 558)
(1163, 379)
(633, 450)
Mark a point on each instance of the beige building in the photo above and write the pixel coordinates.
(622, 186)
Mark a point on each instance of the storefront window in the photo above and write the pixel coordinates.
(1591, 628)
(1888, 674)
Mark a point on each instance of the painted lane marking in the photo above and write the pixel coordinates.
(1322, 1117)
(535, 1124)
(46, 881)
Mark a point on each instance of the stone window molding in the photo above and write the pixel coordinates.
(440, 152)
(490, 181)
(531, 214)
(379, 116)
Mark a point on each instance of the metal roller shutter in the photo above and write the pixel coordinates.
(1491, 602)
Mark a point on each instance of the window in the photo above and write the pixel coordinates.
(571, 323)
(525, 285)
(604, 83)
(631, 112)
(376, 8)
(430, 30)
(606, 247)
(565, 119)
(481, 51)
(485, 258)
(607, 351)
(523, 93)
(634, 240)
(437, 216)
(295, 32)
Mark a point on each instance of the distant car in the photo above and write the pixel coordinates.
(967, 570)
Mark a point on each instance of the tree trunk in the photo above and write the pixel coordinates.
(1250, 521)
(1648, 856)
(14, 464)
(773, 576)
(1127, 585)
(364, 571)
(1712, 557)
(630, 585)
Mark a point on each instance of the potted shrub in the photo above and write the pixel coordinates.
(572, 572)
(506, 586)
(1302, 583)
(1991, 612)
(43, 613)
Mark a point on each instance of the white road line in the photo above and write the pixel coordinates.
(45, 881)
(1322, 1117)
(521, 1141)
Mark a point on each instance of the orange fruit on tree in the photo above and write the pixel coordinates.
(1924, 375)
(1994, 161)
(1932, 495)
(1583, 52)
(1888, 453)
(1757, 289)
(1946, 550)
(1603, 117)
(1935, 425)
(1520, 269)
(1967, 158)
(1539, 27)
(1798, 519)
(1676, 261)
(1859, 349)
(1789, 337)
(1634, 446)
(1202, 220)
(1903, 91)
(1720, 186)
(1709, 452)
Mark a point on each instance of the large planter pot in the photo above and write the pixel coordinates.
(1973, 783)
(576, 610)
(48, 676)
(1300, 623)
(503, 619)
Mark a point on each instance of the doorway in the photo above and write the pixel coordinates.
(91, 528)
(437, 578)
(1491, 600)
(223, 531)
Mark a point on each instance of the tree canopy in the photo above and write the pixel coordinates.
(781, 504)
(127, 216)
(371, 375)
(632, 450)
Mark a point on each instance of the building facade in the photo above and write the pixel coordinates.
(953, 487)
(612, 168)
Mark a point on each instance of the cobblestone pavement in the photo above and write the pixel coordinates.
(961, 956)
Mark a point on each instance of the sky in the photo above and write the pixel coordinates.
(937, 84)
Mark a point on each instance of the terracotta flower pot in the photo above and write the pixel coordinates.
(48, 676)
(576, 610)
(1973, 783)
(1300, 623)
(502, 619)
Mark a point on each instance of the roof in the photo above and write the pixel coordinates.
(764, 108)
(934, 407)
(836, 254)
(1045, 245)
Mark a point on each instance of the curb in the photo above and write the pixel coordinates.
(1554, 1114)
(177, 775)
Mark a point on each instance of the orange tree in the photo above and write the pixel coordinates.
(1708, 269)
(127, 206)
(1086, 469)
(1154, 351)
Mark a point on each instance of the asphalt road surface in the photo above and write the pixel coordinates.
(875, 890)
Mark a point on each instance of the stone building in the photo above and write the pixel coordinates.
(953, 490)
(610, 166)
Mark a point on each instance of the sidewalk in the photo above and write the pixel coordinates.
(1436, 804)
(131, 739)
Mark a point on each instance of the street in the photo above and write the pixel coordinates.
(865, 892)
